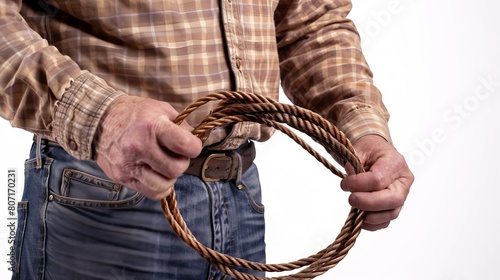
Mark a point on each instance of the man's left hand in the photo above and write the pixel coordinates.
(382, 190)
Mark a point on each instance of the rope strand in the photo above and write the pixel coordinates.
(245, 107)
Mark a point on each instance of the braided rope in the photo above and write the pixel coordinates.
(237, 107)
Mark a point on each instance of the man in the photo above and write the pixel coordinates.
(99, 83)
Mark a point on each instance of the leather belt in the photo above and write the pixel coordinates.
(46, 142)
(211, 165)
(222, 165)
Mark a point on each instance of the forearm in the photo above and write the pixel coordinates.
(323, 68)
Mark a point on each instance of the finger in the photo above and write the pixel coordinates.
(377, 177)
(390, 198)
(372, 227)
(152, 184)
(177, 139)
(382, 217)
(186, 126)
(373, 180)
(164, 162)
(140, 151)
(349, 169)
(365, 182)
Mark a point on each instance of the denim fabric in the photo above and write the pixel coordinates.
(75, 223)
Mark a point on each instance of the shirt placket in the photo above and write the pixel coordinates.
(235, 44)
(234, 34)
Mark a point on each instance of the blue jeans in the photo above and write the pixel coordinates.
(75, 223)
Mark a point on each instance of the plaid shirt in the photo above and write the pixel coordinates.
(64, 62)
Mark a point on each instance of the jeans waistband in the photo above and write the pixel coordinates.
(210, 165)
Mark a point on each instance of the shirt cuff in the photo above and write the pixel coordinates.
(78, 113)
(362, 122)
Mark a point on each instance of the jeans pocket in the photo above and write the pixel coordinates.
(76, 184)
(251, 188)
(254, 202)
(82, 189)
(22, 215)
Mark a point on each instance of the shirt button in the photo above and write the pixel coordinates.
(72, 145)
(238, 62)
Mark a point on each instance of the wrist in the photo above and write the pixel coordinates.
(79, 112)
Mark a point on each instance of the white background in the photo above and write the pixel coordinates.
(436, 63)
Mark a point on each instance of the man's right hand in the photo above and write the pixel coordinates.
(139, 146)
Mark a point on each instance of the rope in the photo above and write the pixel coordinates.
(237, 107)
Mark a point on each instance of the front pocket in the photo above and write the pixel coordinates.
(80, 185)
(82, 189)
(256, 206)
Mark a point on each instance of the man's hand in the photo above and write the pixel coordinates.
(382, 190)
(139, 146)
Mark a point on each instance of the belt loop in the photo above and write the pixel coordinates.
(238, 182)
(38, 152)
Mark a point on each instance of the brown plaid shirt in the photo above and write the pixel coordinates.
(63, 62)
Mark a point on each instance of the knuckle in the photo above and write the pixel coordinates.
(158, 193)
(137, 172)
(411, 177)
(135, 184)
(123, 178)
(132, 148)
(399, 198)
(116, 174)
(357, 203)
(161, 123)
(183, 140)
(162, 194)
(378, 181)
(401, 162)
(128, 176)
(399, 159)
(383, 226)
(395, 213)
(178, 167)
(154, 124)
(153, 194)
(156, 197)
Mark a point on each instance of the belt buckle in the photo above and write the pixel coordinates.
(205, 167)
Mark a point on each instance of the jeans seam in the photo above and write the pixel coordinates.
(22, 206)
(212, 220)
(85, 203)
(258, 208)
(47, 169)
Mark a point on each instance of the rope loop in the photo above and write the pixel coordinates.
(237, 107)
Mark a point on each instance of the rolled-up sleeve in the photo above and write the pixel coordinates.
(323, 68)
(79, 112)
(45, 92)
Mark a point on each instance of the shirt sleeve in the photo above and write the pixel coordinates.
(78, 113)
(45, 92)
(323, 68)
